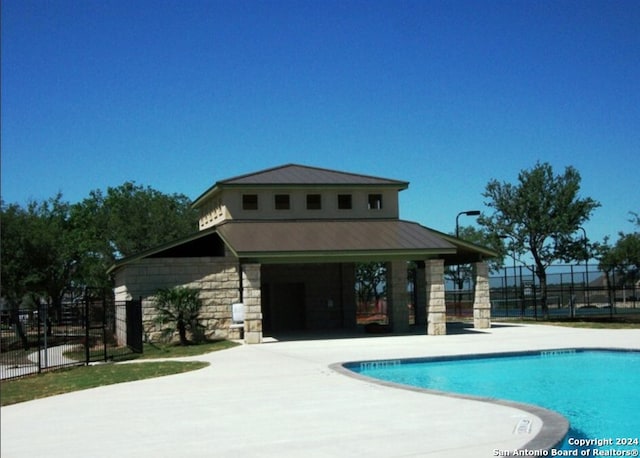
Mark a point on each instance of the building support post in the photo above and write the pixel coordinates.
(436, 307)
(251, 297)
(481, 297)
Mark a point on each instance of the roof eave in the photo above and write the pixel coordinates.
(342, 255)
(158, 249)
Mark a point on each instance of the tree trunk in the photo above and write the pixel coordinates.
(182, 332)
(15, 319)
(610, 288)
(542, 277)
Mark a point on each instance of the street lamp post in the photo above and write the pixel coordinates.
(459, 280)
(467, 213)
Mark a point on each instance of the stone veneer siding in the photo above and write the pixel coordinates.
(436, 308)
(251, 297)
(216, 278)
(481, 298)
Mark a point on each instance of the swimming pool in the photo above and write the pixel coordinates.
(598, 391)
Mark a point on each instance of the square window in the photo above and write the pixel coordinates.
(282, 202)
(250, 201)
(314, 202)
(344, 202)
(375, 201)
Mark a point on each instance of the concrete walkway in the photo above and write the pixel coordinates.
(52, 357)
(283, 400)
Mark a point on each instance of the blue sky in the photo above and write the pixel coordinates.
(447, 95)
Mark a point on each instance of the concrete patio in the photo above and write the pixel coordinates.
(281, 399)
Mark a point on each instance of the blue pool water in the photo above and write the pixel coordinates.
(597, 391)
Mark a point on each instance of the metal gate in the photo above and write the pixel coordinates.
(133, 325)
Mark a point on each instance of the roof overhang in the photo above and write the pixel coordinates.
(331, 241)
(294, 176)
(314, 241)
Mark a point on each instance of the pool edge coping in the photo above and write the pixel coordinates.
(555, 426)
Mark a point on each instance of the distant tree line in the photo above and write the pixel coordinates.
(52, 250)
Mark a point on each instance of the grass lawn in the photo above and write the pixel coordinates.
(157, 350)
(83, 377)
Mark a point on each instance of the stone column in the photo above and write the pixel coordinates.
(436, 307)
(397, 307)
(421, 297)
(481, 298)
(252, 303)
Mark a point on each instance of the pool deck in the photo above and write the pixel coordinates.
(282, 399)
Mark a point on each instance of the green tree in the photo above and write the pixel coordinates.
(607, 261)
(132, 218)
(56, 254)
(40, 253)
(459, 275)
(541, 215)
(628, 253)
(371, 280)
(126, 220)
(621, 259)
(17, 275)
(52, 250)
(179, 307)
(39, 256)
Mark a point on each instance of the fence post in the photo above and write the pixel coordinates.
(104, 326)
(533, 290)
(572, 297)
(505, 296)
(86, 328)
(39, 341)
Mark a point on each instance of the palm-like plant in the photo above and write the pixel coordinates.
(180, 306)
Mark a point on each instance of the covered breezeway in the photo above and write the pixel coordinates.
(297, 276)
(307, 273)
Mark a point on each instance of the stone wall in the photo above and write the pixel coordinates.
(436, 308)
(251, 298)
(481, 299)
(216, 278)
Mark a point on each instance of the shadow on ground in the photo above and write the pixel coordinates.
(453, 328)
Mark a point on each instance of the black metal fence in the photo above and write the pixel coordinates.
(573, 291)
(37, 339)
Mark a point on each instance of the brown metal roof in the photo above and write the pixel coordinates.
(305, 175)
(301, 175)
(351, 238)
(320, 241)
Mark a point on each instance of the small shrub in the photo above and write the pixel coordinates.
(180, 307)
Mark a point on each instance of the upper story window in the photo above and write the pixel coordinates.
(314, 202)
(282, 202)
(249, 201)
(344, 202)
(375, 201)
